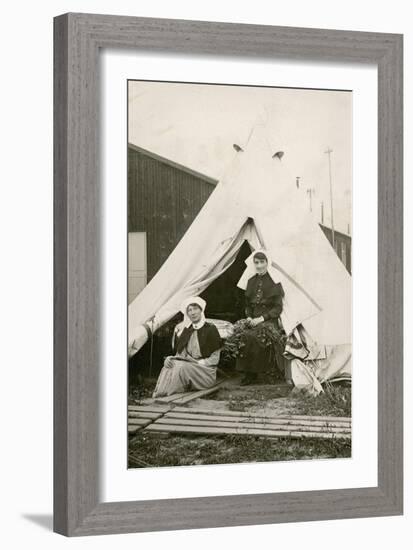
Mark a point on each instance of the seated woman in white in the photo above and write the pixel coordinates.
(197, 352)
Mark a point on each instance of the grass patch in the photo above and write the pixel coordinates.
(335, 401)
(242, 399)
(142, 391)
(150, 450)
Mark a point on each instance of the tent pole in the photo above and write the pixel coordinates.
(328, 152)
(151, 354)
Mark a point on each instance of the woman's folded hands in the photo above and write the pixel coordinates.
(255, 321)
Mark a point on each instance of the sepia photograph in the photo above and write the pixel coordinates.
(239, 236)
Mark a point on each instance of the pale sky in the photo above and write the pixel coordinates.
(197, 124)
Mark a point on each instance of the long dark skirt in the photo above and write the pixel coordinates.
(256, 357)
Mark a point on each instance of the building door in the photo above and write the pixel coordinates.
(137, 264)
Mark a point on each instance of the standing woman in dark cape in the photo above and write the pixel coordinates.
(263, 307)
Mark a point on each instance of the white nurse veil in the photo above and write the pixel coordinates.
(250, 270)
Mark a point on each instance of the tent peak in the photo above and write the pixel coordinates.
(259, 139)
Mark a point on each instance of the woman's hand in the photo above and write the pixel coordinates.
(256, 321)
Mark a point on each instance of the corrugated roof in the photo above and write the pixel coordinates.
(174, 164)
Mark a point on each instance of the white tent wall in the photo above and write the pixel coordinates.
(189, 278)
(254, 201)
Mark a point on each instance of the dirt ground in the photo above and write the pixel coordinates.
(279, 399)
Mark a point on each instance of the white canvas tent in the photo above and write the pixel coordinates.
(254, 201)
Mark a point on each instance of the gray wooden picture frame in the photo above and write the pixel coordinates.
(78, 39)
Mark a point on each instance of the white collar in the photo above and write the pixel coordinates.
(199, 325)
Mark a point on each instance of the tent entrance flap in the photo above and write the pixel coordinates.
(224, 299)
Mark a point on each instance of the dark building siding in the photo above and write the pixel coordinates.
(163, 200)
(342, 244)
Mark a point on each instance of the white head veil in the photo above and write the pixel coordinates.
(199, 302)
(250, 270)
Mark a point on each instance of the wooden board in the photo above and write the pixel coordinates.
(245, 413)
(182, 398)
(158, 418)
(216, 430)
(140, 421)
(148, 408)
(250, 422)
(144, 414)
(270, 426)
(257, 418)
(171, 398)
(139, 417)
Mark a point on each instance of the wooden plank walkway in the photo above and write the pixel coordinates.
(171, 418)
(183, 398)
(140, 417)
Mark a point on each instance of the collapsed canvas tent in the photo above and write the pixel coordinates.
(257, 203)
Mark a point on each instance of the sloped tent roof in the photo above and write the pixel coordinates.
(254, 201)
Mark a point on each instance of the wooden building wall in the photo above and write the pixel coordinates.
(163, 200)
(342, 245)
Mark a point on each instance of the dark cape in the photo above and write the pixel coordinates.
(208, 338)
(263, 297)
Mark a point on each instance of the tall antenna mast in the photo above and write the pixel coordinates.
(328, 152)
(310, 193)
